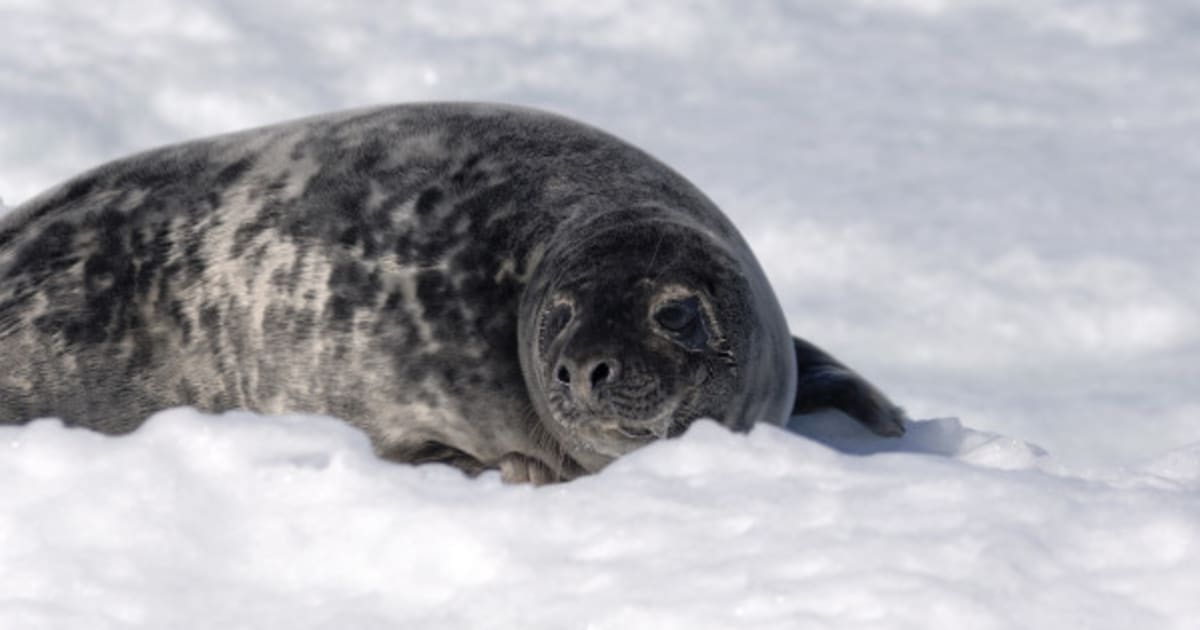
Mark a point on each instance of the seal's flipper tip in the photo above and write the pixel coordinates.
(824, 383)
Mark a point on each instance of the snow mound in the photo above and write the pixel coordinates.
(242, 520)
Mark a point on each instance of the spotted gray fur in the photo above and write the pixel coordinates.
(396, 267)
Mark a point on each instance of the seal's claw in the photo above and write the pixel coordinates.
(517, 468)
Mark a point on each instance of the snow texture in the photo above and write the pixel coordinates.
(986, 206)
(290, 522)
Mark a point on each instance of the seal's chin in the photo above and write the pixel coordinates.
(613, 437)
(612, 442)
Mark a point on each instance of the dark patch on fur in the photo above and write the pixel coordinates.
(73, 193)
(434, 293)
(232, 173)
(175, 170)
(351, 286)
(181, 320)
(53, 251)
(428, 200)
(210, 321)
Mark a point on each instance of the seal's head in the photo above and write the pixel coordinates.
(642, 325)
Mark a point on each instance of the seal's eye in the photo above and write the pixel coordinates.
(556, 319)
(677, 316)
(682, 319)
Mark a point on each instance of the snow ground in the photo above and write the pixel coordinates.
(986, 206)
(242, 521)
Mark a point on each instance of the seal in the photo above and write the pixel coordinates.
(485, 286)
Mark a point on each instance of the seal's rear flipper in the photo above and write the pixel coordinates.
(824, 383)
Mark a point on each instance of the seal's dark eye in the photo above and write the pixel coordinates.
(557, 319)
(682, 319)
(678, 316)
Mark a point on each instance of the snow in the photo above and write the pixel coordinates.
(986, 206)
(238, 520)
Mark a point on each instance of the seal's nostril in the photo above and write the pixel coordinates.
(600, 373)
(564, 375)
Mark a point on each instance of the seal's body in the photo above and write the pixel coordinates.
(486, 286)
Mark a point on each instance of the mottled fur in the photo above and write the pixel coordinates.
(391, 267)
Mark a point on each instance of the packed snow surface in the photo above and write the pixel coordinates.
(243, 521)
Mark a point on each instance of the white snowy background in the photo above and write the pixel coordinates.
(989, 207)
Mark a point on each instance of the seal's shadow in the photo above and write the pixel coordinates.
(937, 436)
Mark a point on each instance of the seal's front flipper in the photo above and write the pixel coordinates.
(824, 383)
(432, 452)
(518, 468)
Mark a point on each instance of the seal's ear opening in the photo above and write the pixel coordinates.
(824, 383)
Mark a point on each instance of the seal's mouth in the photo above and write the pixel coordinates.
(614, 437)
(668, 426)
(637, 433)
